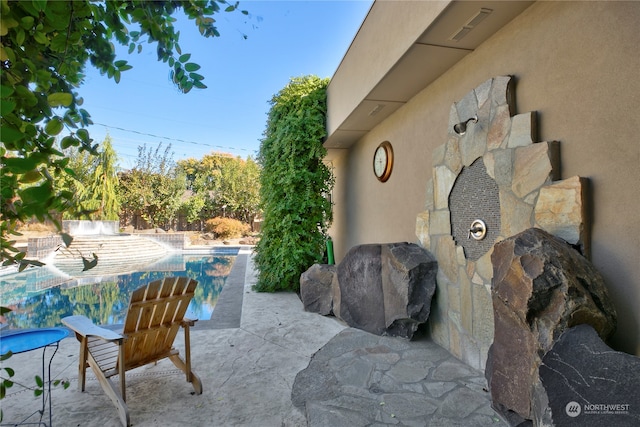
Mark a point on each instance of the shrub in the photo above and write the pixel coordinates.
(293, 186)
(226, 228)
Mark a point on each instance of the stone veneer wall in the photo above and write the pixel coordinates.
(524, 171)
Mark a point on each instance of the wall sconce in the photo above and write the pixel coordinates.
(461, 128)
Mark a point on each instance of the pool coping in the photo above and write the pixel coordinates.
(227, 313)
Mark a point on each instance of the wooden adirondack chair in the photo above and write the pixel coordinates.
(156, 312)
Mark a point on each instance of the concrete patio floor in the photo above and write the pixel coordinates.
(248, 357)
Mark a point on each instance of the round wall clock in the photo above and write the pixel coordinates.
(383, 161)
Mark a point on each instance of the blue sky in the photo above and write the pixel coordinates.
(285, 39)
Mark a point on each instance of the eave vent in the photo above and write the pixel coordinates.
(376, 110)
(471, 24)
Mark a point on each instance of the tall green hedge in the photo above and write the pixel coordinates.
(294, 185)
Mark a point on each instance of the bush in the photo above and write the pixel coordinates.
(293, 186)
(226, 228)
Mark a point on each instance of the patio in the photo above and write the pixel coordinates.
(248, 365)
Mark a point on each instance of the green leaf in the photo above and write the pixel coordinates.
(199, 84)
(21, 164)
(68, 141)
(60, 98)
(6, 24)
(7, 106)
(5, 356)
(8, 134)
(54, 126)
(89, 264)
(59, 42)
(31, 177)
(41, 38)
(6, 91)
(66, 239)
(83, 134)
(26, 22)
(10, 372)
(190, 66)
(4, 310)
(36, 194)
(37, 392)
(20, 35)
(184, 58)
(40, 5)
(39, 381)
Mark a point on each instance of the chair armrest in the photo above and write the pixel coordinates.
(85, 327)
(187, 322)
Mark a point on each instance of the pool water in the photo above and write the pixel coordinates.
(36, 303)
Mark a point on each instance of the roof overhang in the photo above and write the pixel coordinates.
(400, 48)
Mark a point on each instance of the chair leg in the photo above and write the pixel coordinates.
(82, 364)
(191, 376)
(112, 392)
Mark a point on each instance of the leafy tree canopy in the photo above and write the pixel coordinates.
(153, 188)
(221, 185)
(44, 48)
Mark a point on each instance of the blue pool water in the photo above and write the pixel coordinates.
(40, 297)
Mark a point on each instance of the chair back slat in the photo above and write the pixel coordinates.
(154, 316)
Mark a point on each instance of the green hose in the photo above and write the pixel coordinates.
(330, 258)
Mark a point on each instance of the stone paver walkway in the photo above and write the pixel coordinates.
(360, 379)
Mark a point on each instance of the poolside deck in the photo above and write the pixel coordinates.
(248, 360)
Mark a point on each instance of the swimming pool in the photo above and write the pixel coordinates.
(40, 297)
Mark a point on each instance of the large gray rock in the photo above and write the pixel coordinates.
(588, 383)
(385, 289)
(541, 287)
(315, 288)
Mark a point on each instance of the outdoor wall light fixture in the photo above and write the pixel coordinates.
(461, 128)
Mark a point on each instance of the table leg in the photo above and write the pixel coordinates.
(50, 381)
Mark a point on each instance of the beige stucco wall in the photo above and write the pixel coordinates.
(357, 75)
(575, 63)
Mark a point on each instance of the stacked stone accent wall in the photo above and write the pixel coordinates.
(525, 172)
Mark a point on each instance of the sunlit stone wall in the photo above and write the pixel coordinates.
(529, 195)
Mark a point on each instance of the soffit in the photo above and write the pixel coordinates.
(431, 55)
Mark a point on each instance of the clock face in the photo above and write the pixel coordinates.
(383, 161)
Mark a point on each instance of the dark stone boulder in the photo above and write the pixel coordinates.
(541, 286)
(358, 299)
(385, 289)
(588, 383)
(315, 288)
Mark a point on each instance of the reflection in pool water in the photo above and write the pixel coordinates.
(105, 300)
